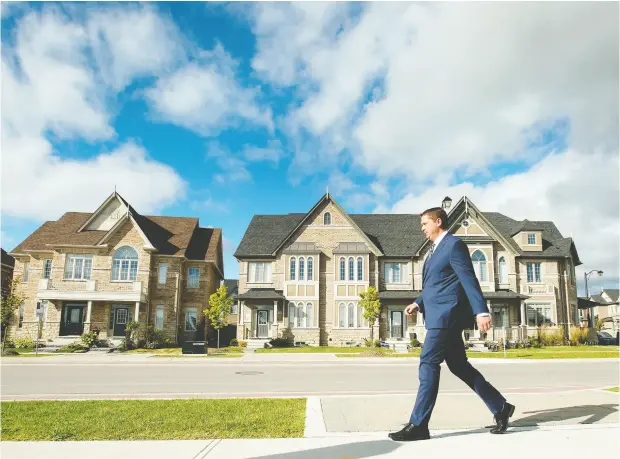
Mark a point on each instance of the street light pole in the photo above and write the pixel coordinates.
(586, 276)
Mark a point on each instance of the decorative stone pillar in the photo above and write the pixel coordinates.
(87, 321)
(136, 315)
(523, 321)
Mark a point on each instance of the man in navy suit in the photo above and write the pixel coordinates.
(450, 298)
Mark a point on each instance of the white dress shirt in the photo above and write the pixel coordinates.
(435, 244)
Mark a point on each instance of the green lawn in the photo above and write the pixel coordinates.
(152, 419)
(559, 352)
(613, 389)
(169, 351)
(229, 355)
(314, 350)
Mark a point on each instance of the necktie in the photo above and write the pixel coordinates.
(430, 253)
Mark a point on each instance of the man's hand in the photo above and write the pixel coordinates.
(484, 323)
(413, 307)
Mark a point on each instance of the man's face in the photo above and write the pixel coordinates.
(430, 227)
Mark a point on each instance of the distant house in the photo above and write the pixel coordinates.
(8, 264)
(607, 308)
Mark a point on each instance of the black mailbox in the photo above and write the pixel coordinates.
(194, 347)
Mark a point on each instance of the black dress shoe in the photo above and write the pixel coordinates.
(501, 419)
(410, 432)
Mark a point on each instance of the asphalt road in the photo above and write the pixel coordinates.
(58, 379)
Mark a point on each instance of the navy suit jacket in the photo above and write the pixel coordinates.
(451, 294)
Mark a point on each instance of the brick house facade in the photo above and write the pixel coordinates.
(300, 275)
(113, 266)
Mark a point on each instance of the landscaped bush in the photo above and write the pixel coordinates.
(415, 343)
(90, 339)
(242, 343)
(74, 348)
(578, 336)
(280, 342)
(24, 343)
(8, 351)
(234, 342)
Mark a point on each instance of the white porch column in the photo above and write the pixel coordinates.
(89, 309)
(136, 316)
(523, 323)
(241, 312)
(274, 325)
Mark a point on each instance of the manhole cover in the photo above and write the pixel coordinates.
(249, 373)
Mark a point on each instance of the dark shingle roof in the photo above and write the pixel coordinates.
(7, 259)
(613, 293)
(399, 294)
(232, 287)
(396, 235)
(262, 294)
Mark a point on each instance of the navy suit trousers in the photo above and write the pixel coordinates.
(447, 344)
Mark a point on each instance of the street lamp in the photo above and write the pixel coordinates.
(446, 203)
(586, 276)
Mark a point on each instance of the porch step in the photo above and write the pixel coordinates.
(477, 345)
(254, 343)
(401, 347)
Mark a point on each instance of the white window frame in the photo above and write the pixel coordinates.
(342, 269)
(293, 268)
(162, 274)
(481, 267)
(84, 258)
(298, 316)
(327, 218)
(158, 308)
(528, 238)
(47, 268)
(388, 272)
(352, 317)
(253, 271)
(539, 308)
(359, 265)
(310, 269)
(186, 316)
(234, 307)
(131, 274)
(351, 269)
(191, 278)
(534, 280)
(503, 273)
(302, 269)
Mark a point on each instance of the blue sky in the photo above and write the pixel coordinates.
(223, 111)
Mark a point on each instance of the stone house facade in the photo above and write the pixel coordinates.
(107, 268)
(300, 275)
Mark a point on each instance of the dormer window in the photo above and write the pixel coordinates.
(531, 238)
(327, 218)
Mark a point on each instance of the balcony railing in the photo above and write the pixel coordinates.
(537, 289)
(92, 289)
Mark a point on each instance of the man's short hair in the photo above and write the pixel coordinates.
(435, 213)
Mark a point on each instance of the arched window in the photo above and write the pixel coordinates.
(351, 315)
(342, 315)
(327, 218)
(291, 315)
(342, 268)
(503, 273)
(351, 268)
(293, 268)
(125, 264)
(309, 315)
(360, 269)
(310, 268)
(302, 266)
(300, 315)
(480, 265)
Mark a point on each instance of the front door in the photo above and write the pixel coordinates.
(262, 324)
(396, 329)
(73, 320)
(500, 321)
(120, 321)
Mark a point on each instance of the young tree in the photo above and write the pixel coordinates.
(10, 303)
(219, 309)
(369, 301)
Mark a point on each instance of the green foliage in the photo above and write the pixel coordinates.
(9, 305)
(90, 339)
(24, 343)
(234, 342)
(219, 310)
(415, 343)
(279, 342)
(371, 306)
(74, 348)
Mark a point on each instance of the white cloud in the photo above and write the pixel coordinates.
(49, 90)
(133, 41)
(205, 96)
(462, 82)
(273, 152)
(234, 169)
(578, 192)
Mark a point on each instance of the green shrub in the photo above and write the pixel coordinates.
(415, 343)
(377, 343)
(90, 339)
(242, 343)
(578, 336)
(234, 342)
(280, 342)
(24, 343)
(74, 348)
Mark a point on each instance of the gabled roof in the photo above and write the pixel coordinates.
(612, 293)
(178, 236)
(7, 260)
(232, 287)
(326, 197)
(400, 235)
(527, 225)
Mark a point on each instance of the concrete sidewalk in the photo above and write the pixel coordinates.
(566, 442)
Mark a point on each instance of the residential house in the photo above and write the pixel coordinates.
(608, 308)
(8, 264)
(107, 268)
(300, 274)
(232, 290)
